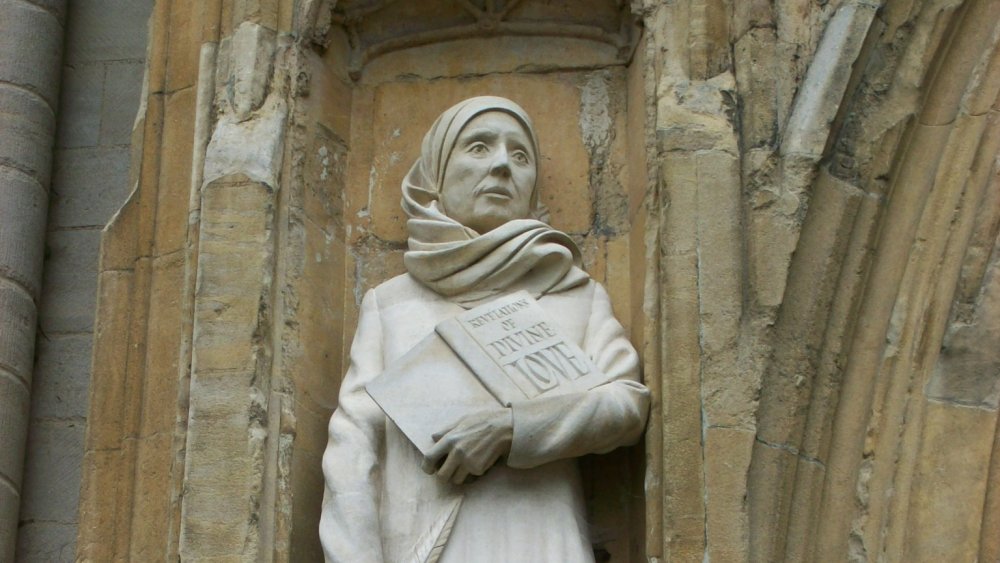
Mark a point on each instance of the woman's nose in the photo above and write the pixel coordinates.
(501, 162)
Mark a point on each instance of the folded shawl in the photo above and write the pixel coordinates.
(469, 267)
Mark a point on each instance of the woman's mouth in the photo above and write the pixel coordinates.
(500, 191)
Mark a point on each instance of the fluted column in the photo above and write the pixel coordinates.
(31, 39)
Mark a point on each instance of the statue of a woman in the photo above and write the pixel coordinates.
(476, 232)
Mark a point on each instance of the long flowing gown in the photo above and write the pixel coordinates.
(379, 504)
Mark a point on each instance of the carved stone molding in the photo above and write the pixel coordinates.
(378, 27)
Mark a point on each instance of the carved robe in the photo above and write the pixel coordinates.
(380, 506)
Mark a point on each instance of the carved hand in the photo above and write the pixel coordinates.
(472, 446)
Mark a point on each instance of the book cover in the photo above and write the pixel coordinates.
(504, 351)
(428, 390)
(517, 351)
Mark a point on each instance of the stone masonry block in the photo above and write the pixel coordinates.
(9, 503)
(167, 312)
(719, 249)
(727, 458)
(152, 497)
(122, 89)
(28, 126)
(62, 377)
(111, 404)
(253, 48)
(14, 406)
(88, 186)
(52, 471)
(174, 181)
(22, 228)
(80, 105)
(70, 281)
(755, 83)
(17, 326)
(183, 49)
(950, 472)
(31, 40)
(46, 541)
(107, 30)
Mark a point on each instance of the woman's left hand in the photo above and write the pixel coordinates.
(472, 446)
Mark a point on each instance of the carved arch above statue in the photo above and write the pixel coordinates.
(377, 27)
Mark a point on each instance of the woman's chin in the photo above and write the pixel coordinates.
(494, 214)
(487, 222)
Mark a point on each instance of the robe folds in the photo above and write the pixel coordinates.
(379, 506)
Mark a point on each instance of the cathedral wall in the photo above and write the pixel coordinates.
(802, 198)
(102, 72)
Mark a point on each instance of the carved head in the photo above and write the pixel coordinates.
(480, 160)
(489, 176)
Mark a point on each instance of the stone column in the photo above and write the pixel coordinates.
(31, 38)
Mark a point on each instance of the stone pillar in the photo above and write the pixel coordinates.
(31, 38)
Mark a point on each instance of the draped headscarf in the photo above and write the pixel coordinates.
(470, 267)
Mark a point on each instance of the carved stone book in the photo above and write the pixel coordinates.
(517, 351)
(428, 390)
(504, 351)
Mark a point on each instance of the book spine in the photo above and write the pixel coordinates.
(491, 375)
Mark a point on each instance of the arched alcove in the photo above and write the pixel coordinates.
(379, 73)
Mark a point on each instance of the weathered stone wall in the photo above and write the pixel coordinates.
(128, 457)
(794, 206)
(103, 64)
(864, 143)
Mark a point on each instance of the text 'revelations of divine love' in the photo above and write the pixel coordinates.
(504, 351)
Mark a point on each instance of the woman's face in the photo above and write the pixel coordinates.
(490, 174)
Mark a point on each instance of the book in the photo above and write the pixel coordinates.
(504, 351)
(428, 390)
(517, 352)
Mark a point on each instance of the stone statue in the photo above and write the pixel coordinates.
(502, 484)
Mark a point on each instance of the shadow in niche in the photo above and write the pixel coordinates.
(612, 485)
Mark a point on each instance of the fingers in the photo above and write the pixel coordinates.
(433, 457)
(459, 477)
(452, 464)
(429, 466)
(482, 461)
(461, 464)
(453, 470)
(464, 450)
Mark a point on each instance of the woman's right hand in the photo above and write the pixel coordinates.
(472, 446)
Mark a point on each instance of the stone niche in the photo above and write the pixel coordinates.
(378, 75)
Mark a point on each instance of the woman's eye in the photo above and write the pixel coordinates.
(520, 158)
(478, 149)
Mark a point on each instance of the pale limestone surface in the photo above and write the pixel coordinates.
(477, 168)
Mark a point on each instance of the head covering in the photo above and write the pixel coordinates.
(472, 267)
